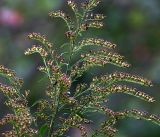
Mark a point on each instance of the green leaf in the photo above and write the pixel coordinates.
(35, 103)
(43, 130)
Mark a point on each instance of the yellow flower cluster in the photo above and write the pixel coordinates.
(122, 76)
(98, 42)
(73, 5)
(36, 49)
(40, 38)
(7, 90)
(131, 91)
(6, 71)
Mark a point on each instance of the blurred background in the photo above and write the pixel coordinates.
(134, 25)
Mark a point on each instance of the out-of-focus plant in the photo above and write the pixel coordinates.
(65, 106)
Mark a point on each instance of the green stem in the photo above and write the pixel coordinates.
(54, 115)
(72, 45)
(70, 56)
(52, 83)
(85, 91)
(48, 71)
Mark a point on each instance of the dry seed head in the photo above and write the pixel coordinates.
(36, 49)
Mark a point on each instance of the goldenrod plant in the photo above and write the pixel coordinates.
(66, 103)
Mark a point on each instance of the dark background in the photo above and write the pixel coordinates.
(134, 25)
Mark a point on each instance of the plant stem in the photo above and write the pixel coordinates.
(70, 56)
(54, 116)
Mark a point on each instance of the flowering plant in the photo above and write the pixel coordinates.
(67, 103)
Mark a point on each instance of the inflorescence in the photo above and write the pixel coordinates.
(67, 99)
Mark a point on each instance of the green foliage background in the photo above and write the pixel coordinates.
(133, 25)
